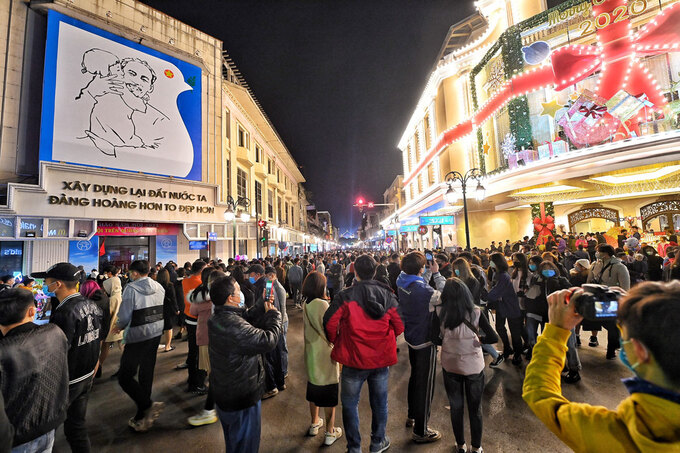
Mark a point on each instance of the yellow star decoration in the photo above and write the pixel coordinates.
(486, 148)
(574, 96)
(551, 108)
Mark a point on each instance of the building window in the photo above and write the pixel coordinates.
(258, 198)
(278, 175)
(426, 131)
(269, 166)
(227, 124)
(258, 153)
(270, 204)
(243, 138)
(228, 170)
(286, 213)
(278, 207)
(241, 183)
(292, 216)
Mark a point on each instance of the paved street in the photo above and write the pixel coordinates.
(509, 426)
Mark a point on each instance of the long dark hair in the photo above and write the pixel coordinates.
(237, 273)
(457, 303)
(499, 260)
(521, 259)
(203, 287)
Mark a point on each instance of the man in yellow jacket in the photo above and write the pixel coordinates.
(649, 419)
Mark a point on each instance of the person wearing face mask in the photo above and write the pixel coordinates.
(335, 281)
(649, 419)
(236, 348)
(81, 321)
(609, 271)
(654, 264)
(141, 316)
(503, 299)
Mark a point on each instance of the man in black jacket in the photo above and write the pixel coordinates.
(237, 374)
(33, 373)
(81, 320)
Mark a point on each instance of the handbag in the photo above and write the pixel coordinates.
(435, 331)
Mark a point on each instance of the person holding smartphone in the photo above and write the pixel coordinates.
(649, 419)
(275, 377)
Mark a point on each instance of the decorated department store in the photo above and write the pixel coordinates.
(569, 115)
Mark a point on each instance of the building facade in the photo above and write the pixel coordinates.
(122, 133)
(561, 120)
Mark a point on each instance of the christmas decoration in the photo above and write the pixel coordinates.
(544, 222)
(508, 145)
(587, 121)
(616, 57)
(496, 77)
(552, 149)
(551, 108)
(536, 52)
(422, 230)
(625, 106)
(486, 146)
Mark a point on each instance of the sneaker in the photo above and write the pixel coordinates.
(204, 418)
(270, 394)
(431, 435)
(593, 342)
(572, 377)
(507, 354)
(481, 450)
(198, 390)
(461, 449)
(161, 346)
(182, 366)
(314, 428)
(497, 361)
(384, 445)
(282, 388)
(517, 360)
(138, 425)
(611, 355)
(332, 437)
(410, 422)
(153, 413)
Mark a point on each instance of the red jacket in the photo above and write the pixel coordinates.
(363, 324)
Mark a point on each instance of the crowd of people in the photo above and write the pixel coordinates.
(354, 306)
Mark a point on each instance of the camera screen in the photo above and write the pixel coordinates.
(428, 256)
(606, 309)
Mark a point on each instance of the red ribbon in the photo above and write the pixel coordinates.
(594, 111)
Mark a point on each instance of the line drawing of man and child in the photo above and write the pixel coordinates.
(121, 117)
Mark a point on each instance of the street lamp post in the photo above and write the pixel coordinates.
(453, 176)
(230, 215)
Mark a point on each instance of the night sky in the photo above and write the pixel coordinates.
(338, 79)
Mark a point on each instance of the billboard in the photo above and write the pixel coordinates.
(110, 102)
(84, 253)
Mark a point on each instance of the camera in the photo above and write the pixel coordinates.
(598, 302)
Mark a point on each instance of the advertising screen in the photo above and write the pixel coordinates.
(110, 102)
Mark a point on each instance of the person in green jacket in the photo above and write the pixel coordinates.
(322, 371)
(649, 419)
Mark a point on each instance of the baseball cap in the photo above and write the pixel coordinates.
(61, 271)
(255, 268)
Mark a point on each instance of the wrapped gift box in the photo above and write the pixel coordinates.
(512, 160)
(625, 106)
(588, 109)
(553, 149)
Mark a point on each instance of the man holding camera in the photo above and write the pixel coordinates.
(648, 420)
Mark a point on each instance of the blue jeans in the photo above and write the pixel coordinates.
(42, 444)
(489, 349)
(532, 329)
(241, 428)
(352, 380)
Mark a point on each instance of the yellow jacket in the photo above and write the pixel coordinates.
(641, 423)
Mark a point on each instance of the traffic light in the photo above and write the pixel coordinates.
(360, 201)
(370, 204)
(261, 223)
(265, 235)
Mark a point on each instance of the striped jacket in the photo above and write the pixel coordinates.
(141, 312)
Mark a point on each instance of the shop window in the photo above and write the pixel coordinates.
(57, 228)
(31, 227)
(204, 229)
(242, 247)
(11, 258)
(191, 230)
(83, 228)
(7, 227)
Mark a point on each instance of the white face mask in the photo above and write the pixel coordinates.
(242, 303)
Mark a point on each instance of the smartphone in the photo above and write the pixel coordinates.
(428, 257)
(268, 292)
